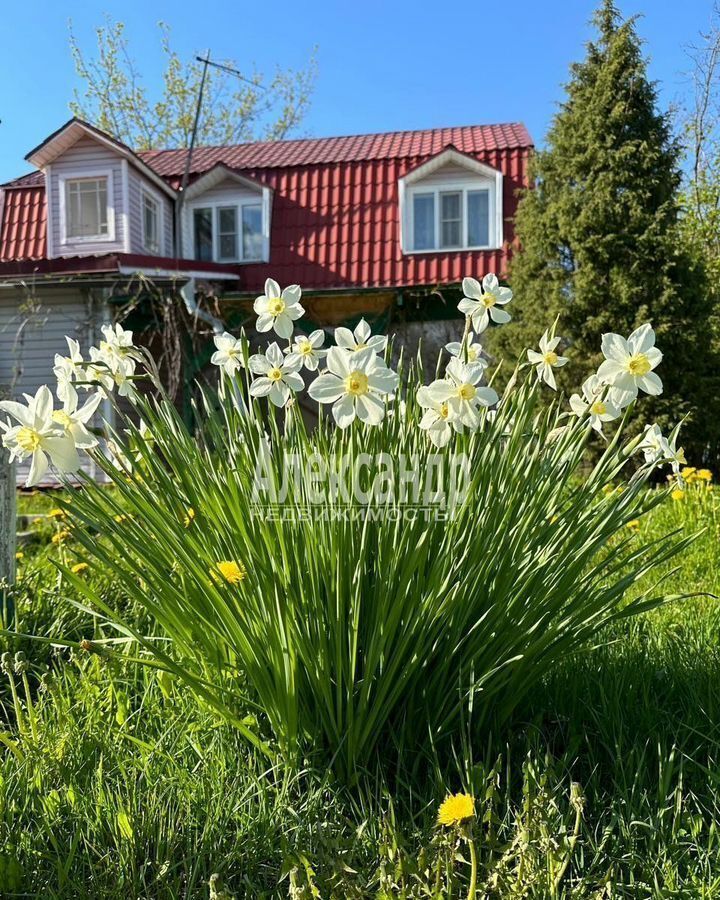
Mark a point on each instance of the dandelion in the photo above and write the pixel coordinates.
(57, 513)
(61, 536)
(688, 473)
(456, 809)
(482, 304)
(278, 309)
(233, 572)
(633, 524)
(19, 555)
(189, 517)
(120, 517)
(79, 568)
(704, 475)
(678, 494)
(547, 359)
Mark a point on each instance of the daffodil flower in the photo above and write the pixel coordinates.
(360, 339)
(436, 418)
(657, 448)
(38, 437)
(229, 353)
(467, 351)
(483, 303)
(592, 403)
(307, 347)
(629, 365)
(67, 369)
(547, 359)
(117, 342)
(278, 309)
(278, 375)
(460, 390)
(74, 421)
(357, 384)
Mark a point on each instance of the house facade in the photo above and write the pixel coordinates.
(367, 225)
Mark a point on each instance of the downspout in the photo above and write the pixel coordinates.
(187, 292)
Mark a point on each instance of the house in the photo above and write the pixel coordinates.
(367, 224)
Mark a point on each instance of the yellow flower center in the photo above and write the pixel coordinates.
(598, 408)
(550, 358)
(638, 364)
(305, 347)
(489, 299)
(274, 374)
(444, 410)
(62, 418)
(466, 391)
(276, 306)
(28, 439)
(356, 383)
(360, 346)
(472, 354)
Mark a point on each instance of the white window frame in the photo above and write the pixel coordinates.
(226, 203)
(479, 177)
(149, 194)
(89, 175)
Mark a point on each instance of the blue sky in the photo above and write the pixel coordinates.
(382, 65)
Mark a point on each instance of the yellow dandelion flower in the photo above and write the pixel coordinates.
(678, 494)
(455, 809)
(688, 473)
(60, 536)
(607, 489)
(704, 474)
(633, 524)
(56, 513)
(120, 518)
(233, 572)
(79, 568)
(189, 518)
(19, 555)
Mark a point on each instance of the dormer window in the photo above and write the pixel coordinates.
(150, 221)
(228, 233)
(87, 213)
(451, 203)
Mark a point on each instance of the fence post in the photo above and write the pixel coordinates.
(8, 522)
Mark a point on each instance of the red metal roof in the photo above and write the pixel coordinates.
(335, 216)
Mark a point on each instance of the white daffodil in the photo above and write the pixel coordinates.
(307, 347)
(37, 436)
(74, 421)
(547, 359)
(629, 365)
(483, 303)
(593, 404)
(357, 384)
(468, 349)
(278, 309)
(229, 353)
(459, 389)
(67, 369)
(360, 339)
(656, 448)
(111, 371)
(117, 343)
(278, 375)
(436, 418)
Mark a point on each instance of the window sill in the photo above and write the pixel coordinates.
(437, 251)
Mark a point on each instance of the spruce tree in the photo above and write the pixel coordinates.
(600, 245)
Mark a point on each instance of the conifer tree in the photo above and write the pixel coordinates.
(600, 245)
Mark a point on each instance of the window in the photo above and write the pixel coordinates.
(457, 219)
(150, 222)
(203, 234)
(252, 231)
(229, 233)
(86, 209)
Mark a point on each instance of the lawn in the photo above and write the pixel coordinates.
(606, 784)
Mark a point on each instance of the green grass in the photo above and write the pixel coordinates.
(127, 789)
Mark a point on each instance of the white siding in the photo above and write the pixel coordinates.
(30, 340)
(85, 156)
(448, 175)
(136, 182)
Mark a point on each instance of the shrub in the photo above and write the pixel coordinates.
(431, 558)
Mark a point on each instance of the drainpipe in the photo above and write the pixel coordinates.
(187, 292)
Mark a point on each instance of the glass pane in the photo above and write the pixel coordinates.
(203, 235)
(478, 218)
(86, 203)
(228, 219)
(252, 232)
(450, 219)
(424, 221)
(228, 246)
(150, 216)
(227, 232)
